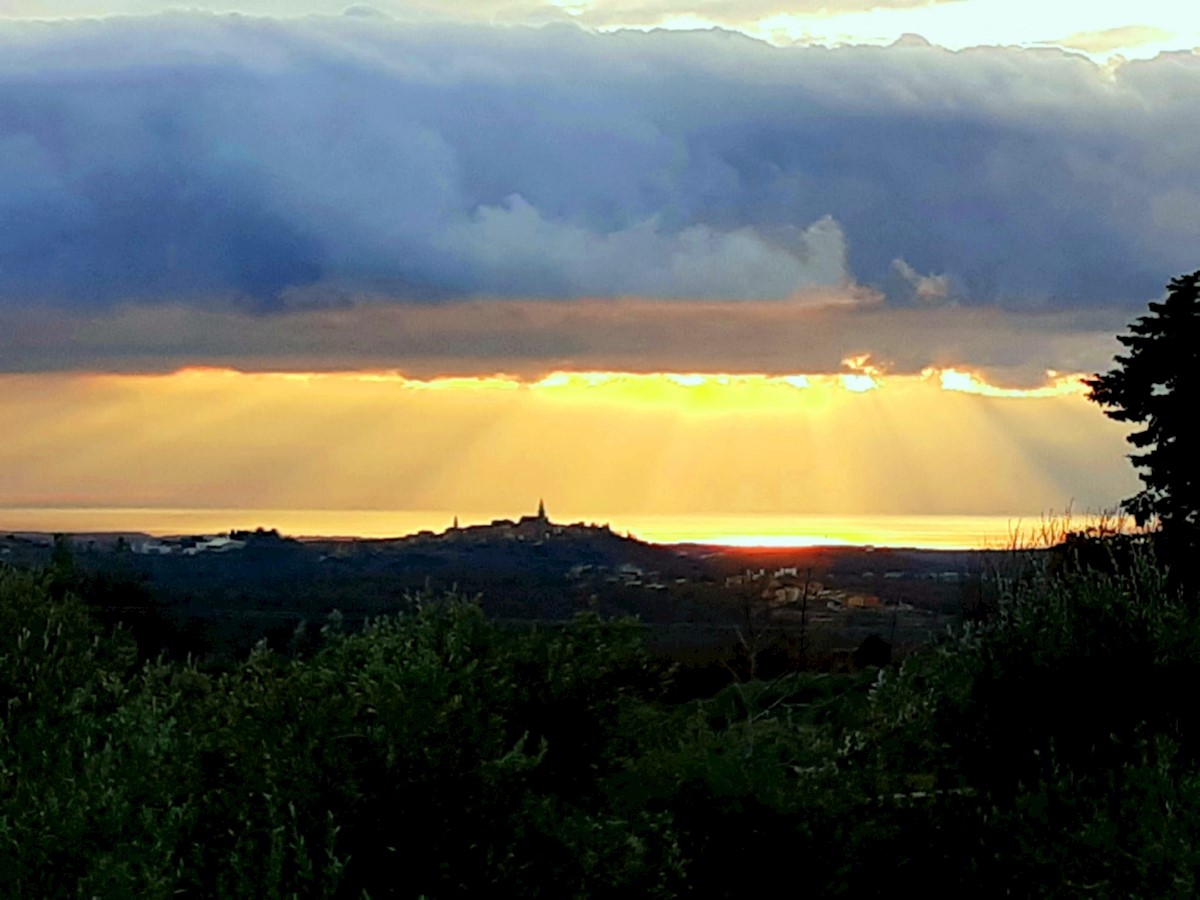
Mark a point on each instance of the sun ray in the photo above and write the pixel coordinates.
(606, 446)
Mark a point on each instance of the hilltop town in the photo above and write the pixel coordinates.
(528, 528)
(532, 528)
(237, 586)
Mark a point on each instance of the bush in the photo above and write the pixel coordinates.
(1040, 752)
(1058, 727)
(429, 754)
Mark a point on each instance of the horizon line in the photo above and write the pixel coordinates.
(774, 531)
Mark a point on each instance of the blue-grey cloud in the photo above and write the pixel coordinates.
(592, 12)
(192, 157)
(531, 338)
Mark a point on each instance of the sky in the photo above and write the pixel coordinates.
(642, 257)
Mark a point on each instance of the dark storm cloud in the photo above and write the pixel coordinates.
(182, 158)
(529, 338)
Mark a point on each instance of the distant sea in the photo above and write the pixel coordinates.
(933, 532)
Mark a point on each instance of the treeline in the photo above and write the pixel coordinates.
(1049, 750)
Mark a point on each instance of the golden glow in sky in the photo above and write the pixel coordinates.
(968, 382)
(704, 449)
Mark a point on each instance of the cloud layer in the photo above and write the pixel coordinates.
(590, 12)
(182, 158)
(529, 339)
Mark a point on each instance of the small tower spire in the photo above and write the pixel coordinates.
(456, 523)
(542, 510)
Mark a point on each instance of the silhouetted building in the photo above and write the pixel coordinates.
(537, 527)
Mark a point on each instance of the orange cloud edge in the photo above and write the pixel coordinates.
(862, 377)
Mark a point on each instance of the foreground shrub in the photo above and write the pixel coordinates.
(1043, 752)
(429, 754)
(1059, 727)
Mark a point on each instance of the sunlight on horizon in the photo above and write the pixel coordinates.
(689, 445)
(752, 531)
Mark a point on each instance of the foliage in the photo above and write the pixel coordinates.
(1039, 752)
(1157, 385)
(431, 744)
(1057, 728)
(117, 597)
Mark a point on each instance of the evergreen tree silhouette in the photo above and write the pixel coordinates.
(1157, 385)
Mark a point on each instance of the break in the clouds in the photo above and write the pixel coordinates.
(1109, 39)
(182, 158)
(1100, 29)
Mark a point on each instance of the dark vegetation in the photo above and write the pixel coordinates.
(218, 606)
(1044, 748)
(1043, 751)
(1156, 385)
